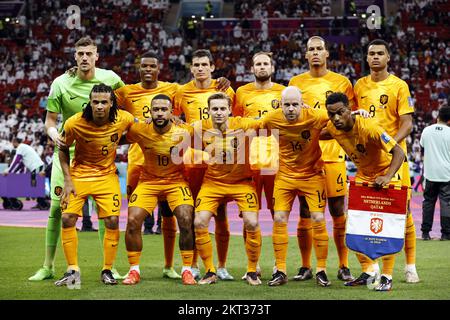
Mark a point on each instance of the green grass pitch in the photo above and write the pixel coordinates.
(22, 253)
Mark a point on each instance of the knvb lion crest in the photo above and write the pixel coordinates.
(275, 104)
(114, 137)
(376, 225)
(384, 99)
(306, 134)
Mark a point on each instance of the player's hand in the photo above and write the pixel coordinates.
(61, 142)
(72, 71)
(67, 191)
(223, 84)
(42, 173)
(176, 120)
(363, 113)
(382, 181)
(149, 120)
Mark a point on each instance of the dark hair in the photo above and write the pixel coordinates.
(102, 88)
(219, 96)
(444, 114)
(84, 42)
(150, 54)
(379, 42)
(317, 37)
(336, 97)
(203, 53)
(17, 139)
(161, 97)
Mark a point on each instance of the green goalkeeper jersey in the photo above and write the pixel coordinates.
(69, 94)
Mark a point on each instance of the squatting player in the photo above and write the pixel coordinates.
(191, 99)
(68, 95)
(161, 179)
(377, 156)
(96, 132)
(315, 85)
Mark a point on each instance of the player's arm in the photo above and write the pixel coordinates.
(223, 84)
(398, 157)
(406, 124)
(325, 134)
(52, 132)
(64, 160)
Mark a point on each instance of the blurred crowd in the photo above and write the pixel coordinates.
(38, 47)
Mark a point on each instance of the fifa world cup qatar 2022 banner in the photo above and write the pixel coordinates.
(376, 220)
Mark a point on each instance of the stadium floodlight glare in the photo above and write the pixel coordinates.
(203, 18)
(302, 25)
(211, 16)
(7, 19)
(193, 17)
(363, 16)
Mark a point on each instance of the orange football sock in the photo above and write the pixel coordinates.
(339, 240)
(169, 231)
(410, 240)
(320, 241)
(304, 239)
(205, 249)
(280, 240)
(388, 264)
(366, 263)
(186, 257)
(110, 245)
(222, 237)
(69, 239)
(253, 248)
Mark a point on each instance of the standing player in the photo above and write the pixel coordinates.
(192, 100)
(96, 131)
(161, 178)
(68, 95)
(255, 100)
(300, 173)
(228, 176)
(136, 98)
(387, 99)
(316, 85)
(369, 146)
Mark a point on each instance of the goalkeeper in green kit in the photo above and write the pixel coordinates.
(69, 94)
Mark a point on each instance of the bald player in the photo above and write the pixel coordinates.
(315, 85)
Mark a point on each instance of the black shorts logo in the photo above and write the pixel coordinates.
(114, 137)
(58, 191)
(197, 202)
(275, 104)
(384, 99)
(306, 134)
(133, 197)
(128, 190)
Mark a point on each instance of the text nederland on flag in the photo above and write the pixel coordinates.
(376, 220)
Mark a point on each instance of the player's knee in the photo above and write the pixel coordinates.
(68, 220)
(200, 222)
(133, 224)
(280, 217)
(251, 224)
(112, 222)
(317, 216)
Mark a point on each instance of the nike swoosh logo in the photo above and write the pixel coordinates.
(87, 141)
(339, 190)
(320, 207)
(189, 102)
(114, 245)
(362, 97)
(248, 104)
(135, 100)
(71, 98)
(147, 148)
(115, 210)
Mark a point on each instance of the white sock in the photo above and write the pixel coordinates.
(135, 268)
(387, 276)
(376, 267)
(411, 268)
(184, 268)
